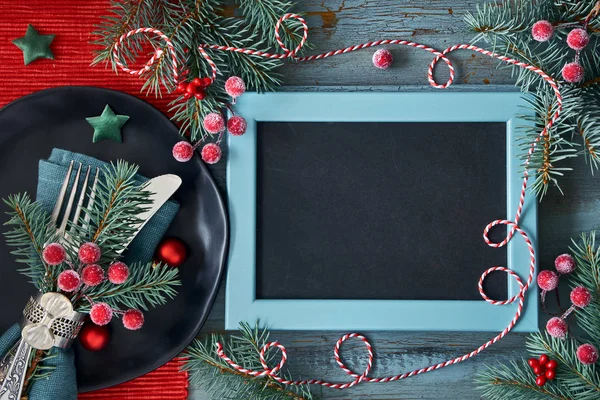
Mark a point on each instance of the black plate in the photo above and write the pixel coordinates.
(30, 128)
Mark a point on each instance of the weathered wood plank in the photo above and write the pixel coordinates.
(438, 23)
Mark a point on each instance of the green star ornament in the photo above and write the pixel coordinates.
(34, 46)
(108, 125)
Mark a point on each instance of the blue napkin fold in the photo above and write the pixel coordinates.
(62, 383)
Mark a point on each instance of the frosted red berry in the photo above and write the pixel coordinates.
(235, 86)
(92, 275)
(565, 263)
(211, 153)
(547, 280)
(213, 123)
(581, 297)
(237, 125)
(557, 327)
(587, 354)
(578, 38)
(133, 319)
(118, 272)
(183, 151)
(573, 72)
(54, 254)
(68, 281)
(89, 253)
(542, 31)
(382, 59)
(101, 314)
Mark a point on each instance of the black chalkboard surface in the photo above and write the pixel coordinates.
(378, 210)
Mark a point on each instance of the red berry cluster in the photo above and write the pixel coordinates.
(213, 123)
(577, 39)
(196, 88)
(90, 274)
(544, 368)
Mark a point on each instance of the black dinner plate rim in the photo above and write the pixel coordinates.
(222, 210)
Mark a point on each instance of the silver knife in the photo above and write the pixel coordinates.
(161, 189)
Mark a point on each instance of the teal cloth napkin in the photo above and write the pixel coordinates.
(62, 383)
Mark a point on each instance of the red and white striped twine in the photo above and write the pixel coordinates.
(514, 225)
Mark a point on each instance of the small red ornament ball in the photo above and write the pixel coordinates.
(540, 380)
(542, 31)
(183, 151)
(382, 59)
(235, 86)
(54, 254)
(539, 370)
(547, 280)
(578, 38)
(581, 297)
(573, 72)
(213, 123)
(101, 314)
(543, 360)
(565, 263)
(550, 374)
(552, 364)
(68, 281)
(118, 272)
(133, 319)
(171, 251)
(557, 327)
(211, 153)
(89, 253)
(237, 125)
(92, 275)
(93, 337)
(587, 354)
(533, 362)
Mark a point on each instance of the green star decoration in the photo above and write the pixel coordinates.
(108, 125)
(34, 46)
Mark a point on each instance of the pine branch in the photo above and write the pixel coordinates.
(220, 381)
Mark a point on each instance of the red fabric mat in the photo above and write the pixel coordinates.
(72, 21)
(164, 383)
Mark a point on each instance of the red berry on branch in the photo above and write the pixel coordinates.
(573, 73)
(200, 95)
(54, 254)
(533, 362)
(187, 95)
(205, 82)
(580, 297)
(542, 31)
(578, 38)
(101, 314)
(133, 319)
(540, 380)
(382, 59)
(68, 281)
(89, 253)
(181, 86)
(565, 263)
(543, 360)
(552, 364)
(197, 82)
(557, 327)
(550, 374)
(183, 151)
(213, 123)
(92, 275)
(237, 125)
(235, 86)
(191, 88)
(539, 370)
(211, 153)
(118, 272)
(587, 354)
(547, 280)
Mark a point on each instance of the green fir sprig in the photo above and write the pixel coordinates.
(506, 28)
(220, 381)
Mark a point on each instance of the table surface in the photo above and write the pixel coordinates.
(339, 23)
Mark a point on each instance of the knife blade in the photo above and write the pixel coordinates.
(161, 189)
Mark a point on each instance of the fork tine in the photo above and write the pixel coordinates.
(92, 197)
(81, 198)
(65, 219)
(61, 195)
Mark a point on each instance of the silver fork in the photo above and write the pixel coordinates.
(13, 364)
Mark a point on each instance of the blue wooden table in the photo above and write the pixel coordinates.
(339, 23)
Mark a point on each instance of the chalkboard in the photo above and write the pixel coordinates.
(390, 210)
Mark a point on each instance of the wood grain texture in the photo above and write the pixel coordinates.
(438, 23)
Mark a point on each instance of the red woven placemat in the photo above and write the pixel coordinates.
(72, 21)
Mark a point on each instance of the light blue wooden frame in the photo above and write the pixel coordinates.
(428, 315)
